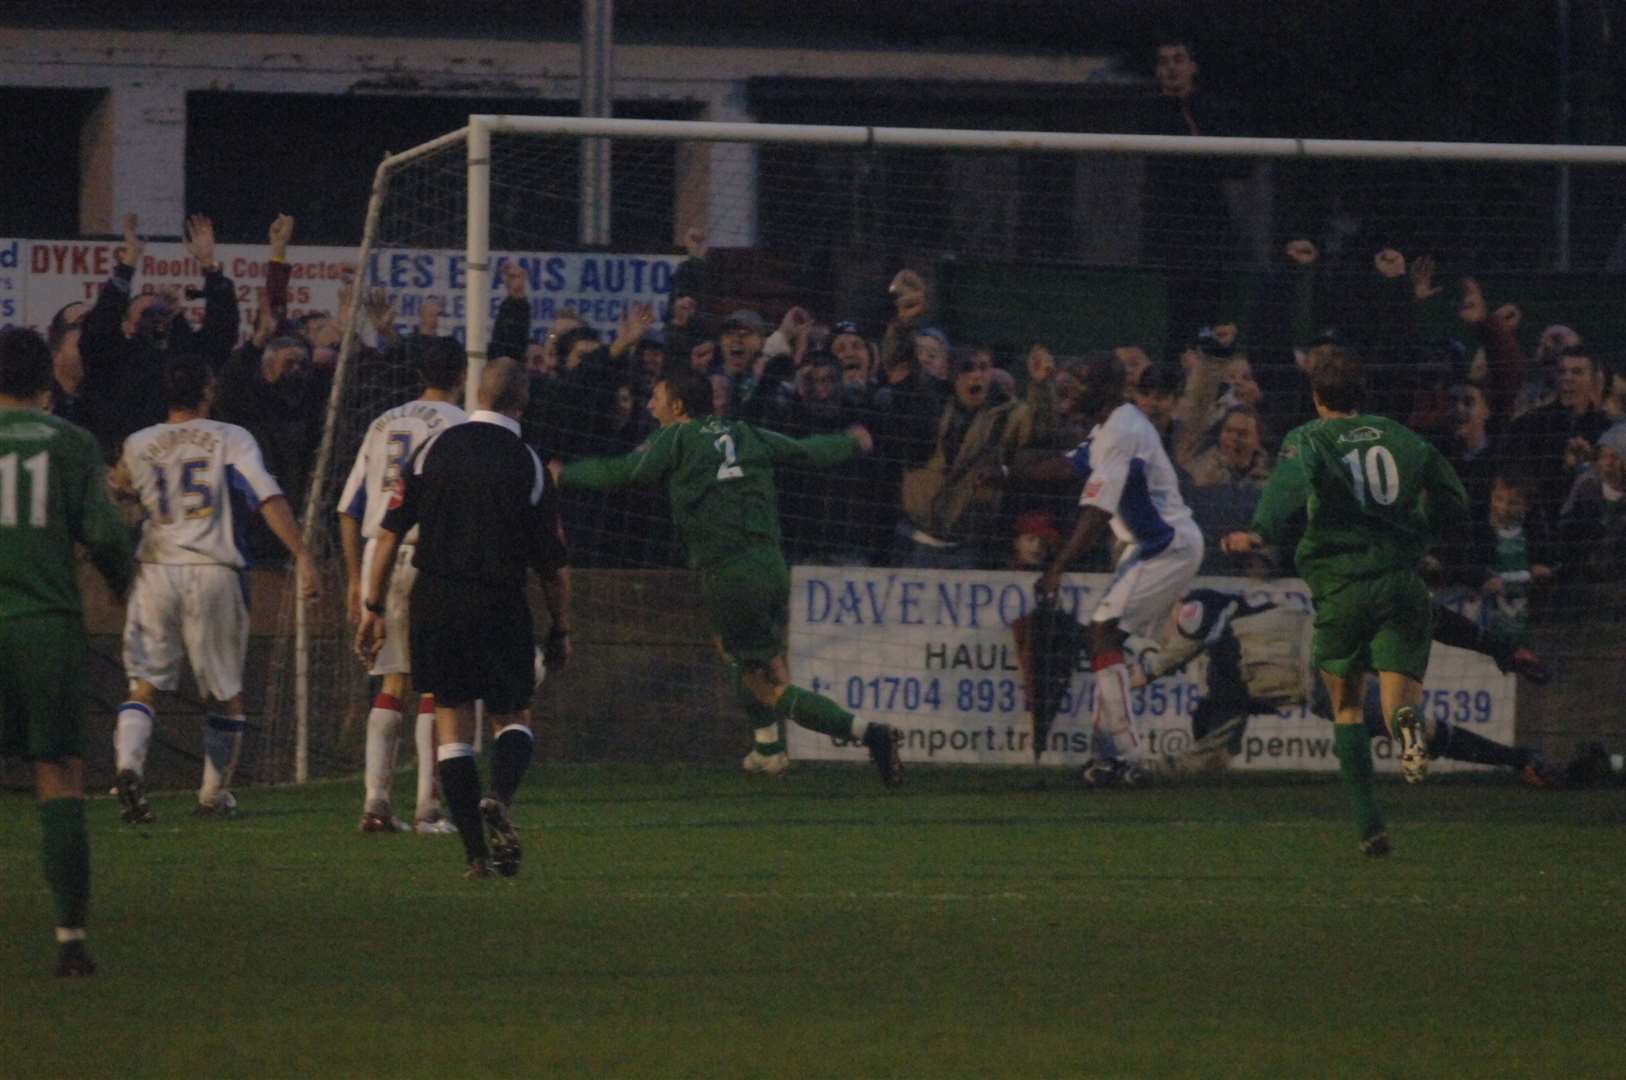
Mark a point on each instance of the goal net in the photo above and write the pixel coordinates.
(901, 279)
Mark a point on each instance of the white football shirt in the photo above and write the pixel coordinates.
(185, 474)
(1128, 474)
(391, 441)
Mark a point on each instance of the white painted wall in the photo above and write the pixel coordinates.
(133, 156)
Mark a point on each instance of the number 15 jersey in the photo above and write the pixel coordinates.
(1376, 495)
(185, 474)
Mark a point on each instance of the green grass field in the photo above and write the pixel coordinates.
(691, 922)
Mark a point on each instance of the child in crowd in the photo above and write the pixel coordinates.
(1508, 557)
(1037, 539)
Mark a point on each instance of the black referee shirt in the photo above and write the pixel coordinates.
(484, 506)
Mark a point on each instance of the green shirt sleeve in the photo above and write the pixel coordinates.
(647, 465)
(1447, 505)
(1287, 492)
(101, 529)
(817, 450)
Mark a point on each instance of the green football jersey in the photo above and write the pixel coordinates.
(51, 497)
(1375, 492)
(719, 476)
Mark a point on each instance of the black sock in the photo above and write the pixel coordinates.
(1460, 744)
(1451, 628)
(510, 757)
(460, 786)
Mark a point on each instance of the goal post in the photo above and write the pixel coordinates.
(1077, 240)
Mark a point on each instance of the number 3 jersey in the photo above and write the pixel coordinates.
(185, 474)
(391, 441)
(1375, 494)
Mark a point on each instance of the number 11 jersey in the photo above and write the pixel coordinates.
(185, 474)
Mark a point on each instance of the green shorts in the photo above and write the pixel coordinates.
(1373, 624)
(43, 691)
(748, 604)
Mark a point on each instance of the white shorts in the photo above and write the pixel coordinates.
(1144, 590)
(196, 610)
(395, 658)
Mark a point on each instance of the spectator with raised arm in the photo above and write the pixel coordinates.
(951, 501)
(124, 338)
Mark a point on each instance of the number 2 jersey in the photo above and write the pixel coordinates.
(719, 476)
(185, 474)
(1376, 495)
(391, 441)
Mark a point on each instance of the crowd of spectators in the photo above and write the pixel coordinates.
(1539, 438)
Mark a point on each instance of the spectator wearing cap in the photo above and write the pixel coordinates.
(951, 500)
(739, 345)
(848, 346)
(932, 351)
(1035, 543)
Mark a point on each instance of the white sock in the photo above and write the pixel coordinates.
(383, 741)
(131, 737)
(860, 728)
(424, 740)
(222, 740)
(1114, 732)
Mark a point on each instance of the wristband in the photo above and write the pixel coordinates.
(376, 609)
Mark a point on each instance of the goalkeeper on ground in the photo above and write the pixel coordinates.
(719, 475)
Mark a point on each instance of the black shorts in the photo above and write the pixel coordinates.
(472, 642)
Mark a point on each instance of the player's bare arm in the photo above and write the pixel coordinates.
(280, 519)
(370, 627)
(1092, 521)
(350, 543)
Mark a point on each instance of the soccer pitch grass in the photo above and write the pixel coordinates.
(694, 922)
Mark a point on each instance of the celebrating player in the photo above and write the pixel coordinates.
(51, 497)
(1376, 494)
(719, 475)
(189, 589)
(390, 442)
(1129, 484)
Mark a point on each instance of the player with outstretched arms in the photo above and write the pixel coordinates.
(719, 475)
(189, 594)
(390, 442)
(1131, 486)
(1375, 494)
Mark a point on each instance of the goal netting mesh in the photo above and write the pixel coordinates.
(775, 267)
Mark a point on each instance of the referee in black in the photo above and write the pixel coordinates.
(486, 510)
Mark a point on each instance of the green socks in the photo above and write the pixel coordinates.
(66, 847)
(814, 712)
(1353, 747)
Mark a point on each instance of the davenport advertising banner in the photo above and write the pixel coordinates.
(933, 653)
(38, 277)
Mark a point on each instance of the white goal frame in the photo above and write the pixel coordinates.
(476, 137)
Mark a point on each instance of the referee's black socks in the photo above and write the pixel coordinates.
(510, 756)
(460, 786)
